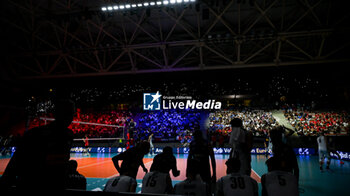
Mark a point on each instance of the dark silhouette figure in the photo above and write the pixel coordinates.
(165, 160)
(121, 183)
(201, 151)
(284, 152)
(132, 159)
(236, 183)
(193, 184)
(279, 180)
(41, 159)
(74, 179)
(157, 181)
(241, 142)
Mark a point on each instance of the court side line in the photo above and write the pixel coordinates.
(256, 175)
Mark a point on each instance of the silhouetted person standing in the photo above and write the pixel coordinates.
(167, 161)
(241, 142)
(201, 151)
(284, 152)
(132, 159)
(41, 159)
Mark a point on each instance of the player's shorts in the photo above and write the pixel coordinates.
(323, 154)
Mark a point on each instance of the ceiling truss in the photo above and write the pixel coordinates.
(70, 39)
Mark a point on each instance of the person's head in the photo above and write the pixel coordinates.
(198, 135)
(144, 147)
(233, 165)
(192, 168)
(236, 122)
(64, 112)
(72, 166)
(276, 163)
(276, 135)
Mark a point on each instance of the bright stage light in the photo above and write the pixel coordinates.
(144, 4)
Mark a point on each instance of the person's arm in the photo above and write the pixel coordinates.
(219, 188)
(213, 163)
(263, 188)
(116, 160)
(290, 131)
(255, 188)
(174, 167)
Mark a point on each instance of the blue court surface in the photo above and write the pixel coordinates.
(98, 168)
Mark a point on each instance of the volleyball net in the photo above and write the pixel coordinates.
(116, 133)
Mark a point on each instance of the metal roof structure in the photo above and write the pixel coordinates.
(75, 38)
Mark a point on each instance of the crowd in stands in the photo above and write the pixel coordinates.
(88, 123)
(172, 125)
(259, 122)
(165, 125)
(201, 179)
(105, 118)
(168, 125)
(313, 123)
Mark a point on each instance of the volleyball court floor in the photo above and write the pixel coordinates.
(98, 168)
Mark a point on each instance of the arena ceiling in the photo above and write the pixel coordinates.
(72, 38)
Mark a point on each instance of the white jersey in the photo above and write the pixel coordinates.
(155, 182)
(120, 184)
(237, 136)
(279, 183)
(191, 187)
(322, 146)
(238, 185)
